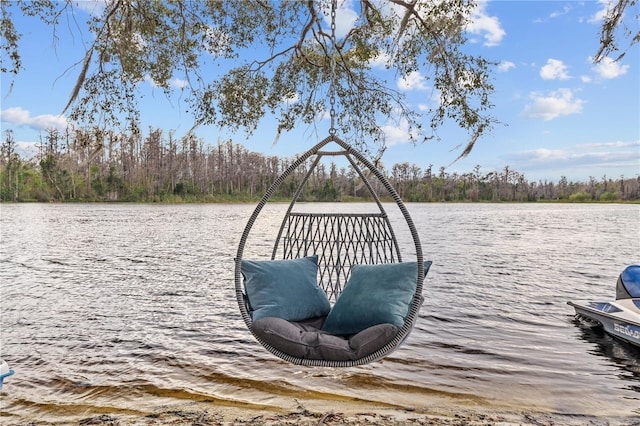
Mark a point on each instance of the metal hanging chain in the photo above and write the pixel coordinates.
(334, 51)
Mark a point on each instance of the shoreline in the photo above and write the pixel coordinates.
(253, 201)
(321, 412)
(199, 415)
(202, 414)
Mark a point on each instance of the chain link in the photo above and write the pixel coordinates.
(334, 51)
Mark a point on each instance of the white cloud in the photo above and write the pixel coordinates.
(615, 144)
(151, 81)
(581, 156)
(178, 83)
(413, 81)
(556, 104)
(555, 14)
(601, 13)
(544, 154)
(585, 79)
(548, 156)
(554, 70)
(608, 68)
(346, 16)
(399, 133)
(21, 117)
(381, 61)
(488, 26)
(581, 161)
(27, 149)
(505, 66)
(566, 9)
(92, 7)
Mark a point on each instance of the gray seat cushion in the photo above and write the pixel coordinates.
(305, 339)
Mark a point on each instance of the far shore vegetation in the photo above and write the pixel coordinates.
(94, 166)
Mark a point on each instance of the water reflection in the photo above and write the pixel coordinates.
(622, 354)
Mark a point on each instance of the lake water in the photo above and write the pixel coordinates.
(117, 308)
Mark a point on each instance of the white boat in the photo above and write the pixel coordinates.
(619, 318)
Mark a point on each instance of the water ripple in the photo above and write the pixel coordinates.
(124, 307)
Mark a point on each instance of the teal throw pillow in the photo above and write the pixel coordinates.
(286, 289)
(374, 294)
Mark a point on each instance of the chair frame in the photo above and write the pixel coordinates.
(334, 276)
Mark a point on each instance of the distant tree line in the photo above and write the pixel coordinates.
(94, 165)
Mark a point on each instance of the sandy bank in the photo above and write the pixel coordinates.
(201, 414)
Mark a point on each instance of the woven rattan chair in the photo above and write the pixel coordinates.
(340, 240)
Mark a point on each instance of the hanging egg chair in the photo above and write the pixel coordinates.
(335, 291)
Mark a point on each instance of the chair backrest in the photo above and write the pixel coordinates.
(340, 241)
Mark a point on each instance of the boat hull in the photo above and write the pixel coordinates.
(620, 318)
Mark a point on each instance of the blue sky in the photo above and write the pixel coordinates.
(560, 114)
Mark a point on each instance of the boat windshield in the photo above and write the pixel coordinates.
(630, 279)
